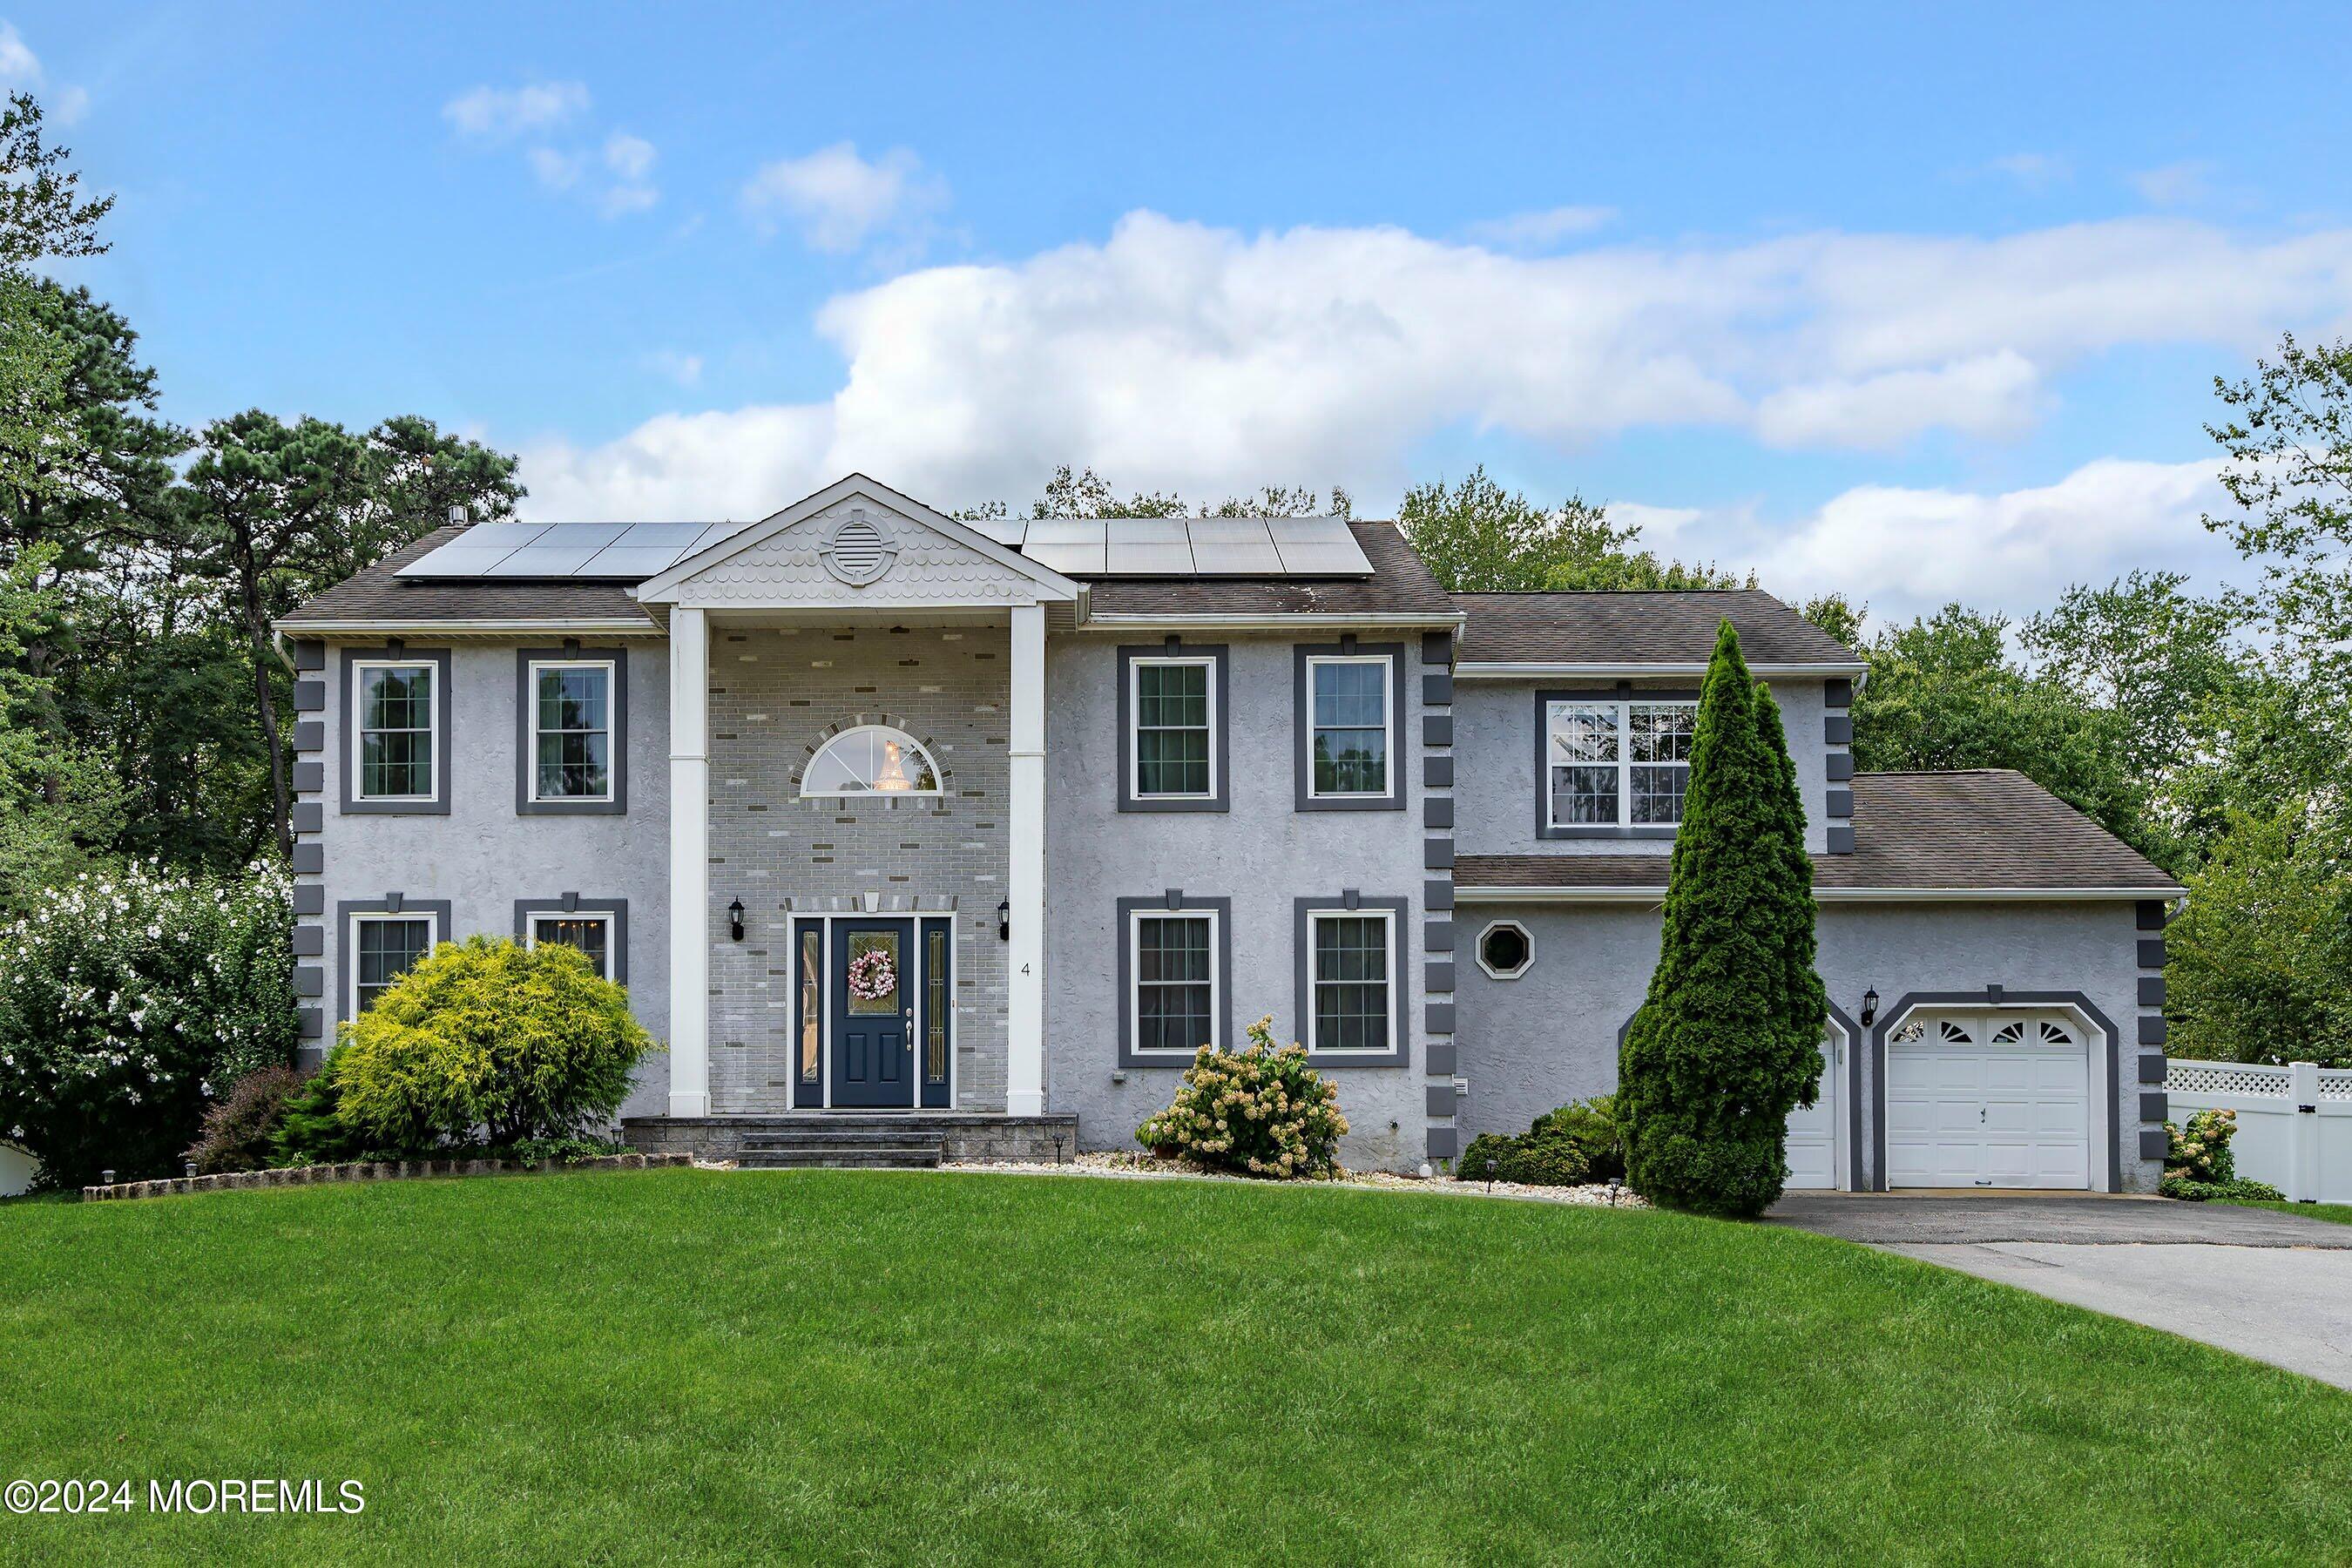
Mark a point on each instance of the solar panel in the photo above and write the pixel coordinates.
(544, 561)
(676, 535)
(1318, 547)
(1068, 544)
(512, 535)
(457, 561)
(630, 562)
(1149, 547)
(1233, 546)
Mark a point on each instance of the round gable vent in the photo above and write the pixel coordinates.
(859, 551)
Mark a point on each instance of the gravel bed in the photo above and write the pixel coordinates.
(1138, 1166)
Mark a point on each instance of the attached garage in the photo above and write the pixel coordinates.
(1989, 1098)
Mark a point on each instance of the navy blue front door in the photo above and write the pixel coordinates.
(872, 964)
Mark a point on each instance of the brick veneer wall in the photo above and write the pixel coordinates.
(775, 697)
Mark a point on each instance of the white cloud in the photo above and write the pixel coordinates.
(630, 158)
(496, 112)
(1910, 551)
(556, 171)
(838, 199)
(1178, 354)
(21, 72)
(2175, 185)
(682, 368)
(2034, 170)
(1540, 230)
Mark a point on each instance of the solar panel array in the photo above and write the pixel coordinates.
(609, 551)
(1079, 547)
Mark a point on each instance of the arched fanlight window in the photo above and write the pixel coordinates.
(873, 759)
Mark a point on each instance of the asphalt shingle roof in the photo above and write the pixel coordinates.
(376, 595)
(1990, 829)
(1639, 628)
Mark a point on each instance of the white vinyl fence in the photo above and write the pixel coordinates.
(2295, 1122)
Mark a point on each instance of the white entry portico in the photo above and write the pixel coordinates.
(855, 556)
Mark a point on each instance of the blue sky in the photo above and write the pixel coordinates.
(1920, 301)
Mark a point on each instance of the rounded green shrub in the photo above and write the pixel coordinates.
(1591, 1126)
(1547, 1160)
(488, 1038)
(1259, 1112)
(1495, 1146)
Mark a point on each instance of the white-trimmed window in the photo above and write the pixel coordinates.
(1172, 732)
(590, 931)
(1175, 1004)
(383, 947)
(571, 730)
(392, 714)
(1505, 950)
(1617, 762)
(1351, 992)
(872, 759)
(1351, 714)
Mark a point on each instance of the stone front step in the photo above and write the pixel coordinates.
(750, 1138)
(841, 1156)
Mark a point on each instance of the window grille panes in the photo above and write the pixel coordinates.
(575, 732)
(1174, 990)
(1351, 736)
(1660, 737)
(1172, 729)
(935, 1008)
(871, 759)
(1583, 764)
(387, 950)
(592, 934)
(1351, 983)
(395, 725)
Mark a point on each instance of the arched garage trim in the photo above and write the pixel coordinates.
(1999, 998)
(1848, 1101)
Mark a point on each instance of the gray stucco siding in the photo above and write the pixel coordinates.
(482, 856)
(1528, 1044)
(1262, 854)
(1497, 792)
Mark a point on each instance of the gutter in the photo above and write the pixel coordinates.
(1490, 895)
(1497, 671)
(632, 627)
(1278, 622)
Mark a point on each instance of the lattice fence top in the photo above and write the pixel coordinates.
(2224, 1078)
(2335, 1083)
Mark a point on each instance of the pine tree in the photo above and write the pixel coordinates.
(1727, 1041)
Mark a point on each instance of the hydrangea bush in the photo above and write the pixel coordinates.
(2199, 1165)
(1261, 1111)
(128, 1001)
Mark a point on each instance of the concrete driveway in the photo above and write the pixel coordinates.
(2275, 1287)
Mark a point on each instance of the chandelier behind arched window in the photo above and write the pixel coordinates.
(873, 759)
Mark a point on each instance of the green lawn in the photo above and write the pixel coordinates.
(2340, 1213)
(687, 1365)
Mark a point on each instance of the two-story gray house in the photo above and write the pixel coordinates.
(906, 832)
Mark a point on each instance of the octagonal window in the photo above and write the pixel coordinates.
(1505, 950)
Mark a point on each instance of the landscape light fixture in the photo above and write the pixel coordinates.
(735, 919)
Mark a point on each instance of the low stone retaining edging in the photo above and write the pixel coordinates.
(367, 1171)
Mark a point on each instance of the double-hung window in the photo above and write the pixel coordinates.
(1616, 764)
(571, 730)
(1172, 737)
(394, 713)
(1350, 714)
(383, 947)
(1351, 989)
(589, 930)
(1175, 969)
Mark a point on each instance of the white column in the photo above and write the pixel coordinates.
(1025, 1001)
(689, 863)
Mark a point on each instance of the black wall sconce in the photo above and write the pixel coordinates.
(735, 919)
(1004, 920)
(1869, 1008)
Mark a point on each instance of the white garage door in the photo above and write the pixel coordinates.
(1987, 1099)
(1813, 1142)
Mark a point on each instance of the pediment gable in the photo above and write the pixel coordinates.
(857, 544)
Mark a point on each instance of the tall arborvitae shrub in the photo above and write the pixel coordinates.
(1727, 1042)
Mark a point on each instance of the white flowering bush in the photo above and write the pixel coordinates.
(129, 1001)
(1261, 1111)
